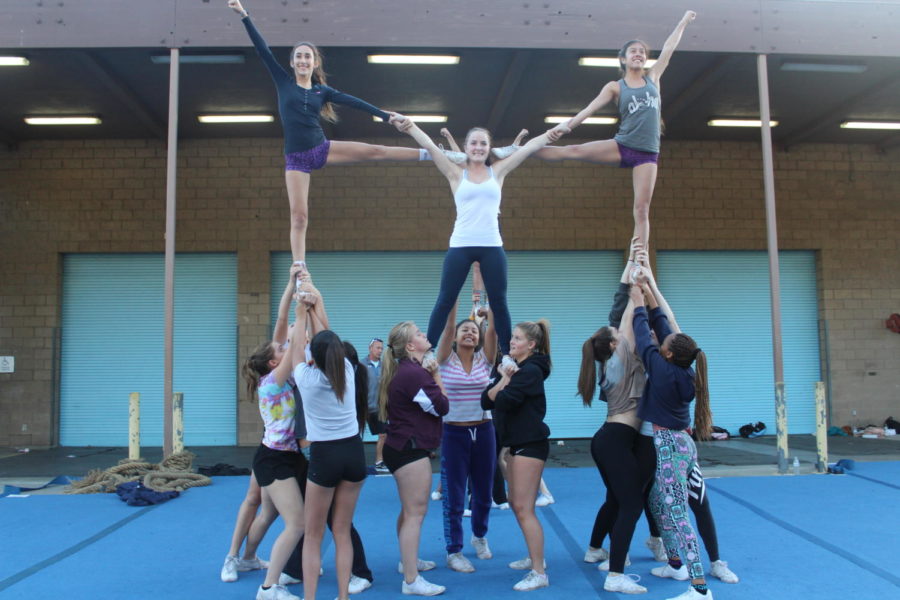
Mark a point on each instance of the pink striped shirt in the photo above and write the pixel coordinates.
(464, 389)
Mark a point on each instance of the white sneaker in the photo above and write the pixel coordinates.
(503, 506)
(467, 513)
(604, 566)
(658, 548)
(482, 550)
(276, 592)
(532, 581)
(504, 151)
(692, 594)
(436, 495)
(595, 555)
(285, 579)
(252, 564)
(358, 584)
(666, 570)
(544, 500)
(421, 587)
(720, 569)
(230, 569)
(508, 363)
(459, 158)
(625, 584)
(460, 563)
(523, 564)
(421, 565)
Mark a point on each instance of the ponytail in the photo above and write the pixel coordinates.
(394, 350)
(328, 353)
(256, 367)
(595, 348)
(702, 414)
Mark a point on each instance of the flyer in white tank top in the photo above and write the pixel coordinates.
(477, 208)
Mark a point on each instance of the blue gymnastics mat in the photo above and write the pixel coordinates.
(813, 536)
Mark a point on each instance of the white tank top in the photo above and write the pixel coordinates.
(477, 207)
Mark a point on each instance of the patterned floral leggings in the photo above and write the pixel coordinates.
(676, 456)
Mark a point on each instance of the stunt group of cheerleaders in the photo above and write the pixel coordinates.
(482, 388)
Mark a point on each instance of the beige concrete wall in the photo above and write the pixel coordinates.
(109, 196)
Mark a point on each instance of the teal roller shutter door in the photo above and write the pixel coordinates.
(112, 345)
(721, 299)
(368, 293)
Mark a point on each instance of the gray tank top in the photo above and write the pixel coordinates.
(624, 382)
(639, 117)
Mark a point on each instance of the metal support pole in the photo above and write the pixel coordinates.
(774, 282)
(171, 164)
(821, 429)
(178, 423)
(134, 426)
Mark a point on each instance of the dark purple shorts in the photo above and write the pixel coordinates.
(632, 158)
(308, 160)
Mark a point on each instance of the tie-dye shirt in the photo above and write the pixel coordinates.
(276, 407)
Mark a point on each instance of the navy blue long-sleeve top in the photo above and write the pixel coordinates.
(299, 107)
(670, 389)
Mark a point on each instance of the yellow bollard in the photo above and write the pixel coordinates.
(821, 429)
(177, 422)
(134, 426)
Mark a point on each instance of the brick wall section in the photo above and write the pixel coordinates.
(109, 196)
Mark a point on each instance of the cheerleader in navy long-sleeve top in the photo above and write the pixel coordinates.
(304, 97)
(671, 387)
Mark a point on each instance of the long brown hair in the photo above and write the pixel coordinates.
(318, 76)
(686, 352)
(394, 350)
(328, 353)
(595, 349)
(361, 382)
(256, 367)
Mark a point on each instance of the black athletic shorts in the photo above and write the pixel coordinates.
(270, 465)
(539, 450)
(395, 459)
(335, 461)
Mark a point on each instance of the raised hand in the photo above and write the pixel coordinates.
(689, 16)
(557, 132)
(236, 6)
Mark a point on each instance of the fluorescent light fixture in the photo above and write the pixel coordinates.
(817, 67)
(235, 118)
(205, 59)
(13, 61)
(413, 59)
(420, 118)
(610, 62)
(738, 123)
(62, 120)
(589, 121)
(870, 125)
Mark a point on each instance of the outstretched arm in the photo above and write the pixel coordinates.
(451, 171)
(516, 158)
(668, 48)
(265, 53)
(280, 333)
(609, 93)
(445, 344)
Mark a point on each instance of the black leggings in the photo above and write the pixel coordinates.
(294, 566)
(698, 500)
(626, 465)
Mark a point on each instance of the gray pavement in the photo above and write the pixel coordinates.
(735, 457)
